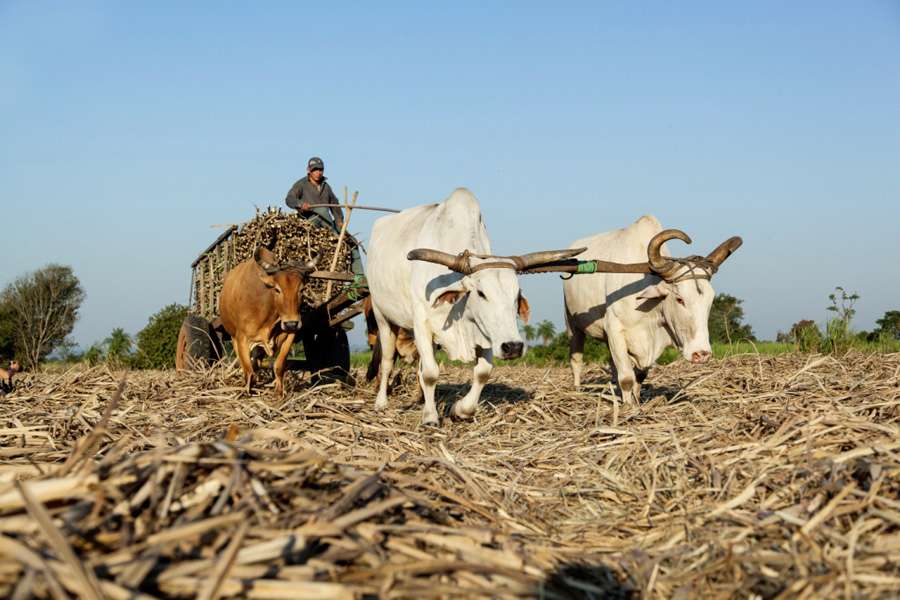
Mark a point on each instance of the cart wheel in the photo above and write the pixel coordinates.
(198, 344)
(328, 355)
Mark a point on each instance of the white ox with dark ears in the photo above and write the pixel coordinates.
(423, 279)
(640, 314)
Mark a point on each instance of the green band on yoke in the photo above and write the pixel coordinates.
(587, 266)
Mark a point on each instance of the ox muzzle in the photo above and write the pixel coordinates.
(511, 350)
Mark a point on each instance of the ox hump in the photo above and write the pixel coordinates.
(464, 199)
(649, 221)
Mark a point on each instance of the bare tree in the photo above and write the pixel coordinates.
(44, 305)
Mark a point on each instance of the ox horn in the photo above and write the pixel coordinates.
(461, 262)
(458, 263)
(724, 250)
(662, 265)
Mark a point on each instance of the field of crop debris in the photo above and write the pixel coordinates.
(749, 477)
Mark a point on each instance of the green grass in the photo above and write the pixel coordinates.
(360, 359)
(557, 354)
(721, 350)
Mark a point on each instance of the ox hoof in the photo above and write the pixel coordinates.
(430, 421)
(381, 405)
(461, 412)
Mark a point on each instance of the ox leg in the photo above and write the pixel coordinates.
(576, 355)
(428, 376)
(387, 339)
(242, 347)
(624, 370)
(641, 375)
(280, 361)
(465, 408)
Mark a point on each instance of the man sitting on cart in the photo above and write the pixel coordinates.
(314, 189)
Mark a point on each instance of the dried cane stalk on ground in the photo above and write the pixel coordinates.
(765, 477)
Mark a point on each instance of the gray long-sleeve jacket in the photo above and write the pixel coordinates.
(306, 191)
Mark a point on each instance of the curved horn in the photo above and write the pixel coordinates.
(533, 259)
(660, 264)
(724, 250)
(461, 262)
(458, 263)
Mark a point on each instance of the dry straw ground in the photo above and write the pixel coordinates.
(747, 477)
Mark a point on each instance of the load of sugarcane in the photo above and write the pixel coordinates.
(290, 237)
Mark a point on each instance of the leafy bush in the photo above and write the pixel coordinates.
(556, 352)
(838, 336)
(94, 355)
(889, 325)
(156, 343)
(806, 336)
(725, 320)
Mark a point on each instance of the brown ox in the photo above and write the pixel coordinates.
(405, 345)
(260, 307)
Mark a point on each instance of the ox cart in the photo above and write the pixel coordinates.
(202, 335)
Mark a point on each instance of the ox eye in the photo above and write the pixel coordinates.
(481, 294)
(277, 290)
(680, 300)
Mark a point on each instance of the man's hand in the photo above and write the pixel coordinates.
(339, 225)
(304, 207)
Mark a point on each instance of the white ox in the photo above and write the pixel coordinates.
(422, 280)
(640, 314)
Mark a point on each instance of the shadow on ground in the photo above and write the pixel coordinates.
(584, 581)
(493, 393)
(649, 390)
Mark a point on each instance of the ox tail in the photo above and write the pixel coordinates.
(374, 342)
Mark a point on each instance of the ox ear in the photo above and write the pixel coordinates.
(449, 297)
(264, 258)
(523, 309)
(658, 291)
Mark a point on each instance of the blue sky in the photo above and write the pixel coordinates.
(128, 129)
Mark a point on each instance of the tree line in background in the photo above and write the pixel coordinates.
(726, 327)
(838, 335)
(39, 310)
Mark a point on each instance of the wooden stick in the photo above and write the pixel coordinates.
(337, 249)
(360, 207)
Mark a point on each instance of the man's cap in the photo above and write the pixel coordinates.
(315, 163)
